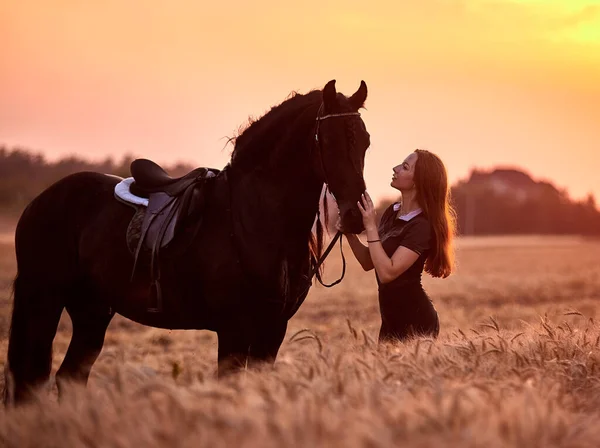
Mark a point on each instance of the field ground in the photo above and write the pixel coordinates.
(517, 364)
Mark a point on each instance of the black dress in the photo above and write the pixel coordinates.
(406, 310)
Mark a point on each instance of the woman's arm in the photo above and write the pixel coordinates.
(389, 269)
(361, 252)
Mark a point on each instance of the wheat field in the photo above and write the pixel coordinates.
(517, 364)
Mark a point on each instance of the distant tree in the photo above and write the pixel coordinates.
(590, 201)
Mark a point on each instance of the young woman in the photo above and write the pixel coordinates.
(413, 235)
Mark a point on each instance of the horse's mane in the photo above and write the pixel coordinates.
(251, 139)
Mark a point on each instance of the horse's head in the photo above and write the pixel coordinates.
(342, 141)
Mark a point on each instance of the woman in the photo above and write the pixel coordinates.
(413, 235)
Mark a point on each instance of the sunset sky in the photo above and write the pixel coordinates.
(481, 83)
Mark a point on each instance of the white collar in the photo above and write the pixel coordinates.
(408, 216)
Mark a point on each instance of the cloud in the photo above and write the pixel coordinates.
(588, 14)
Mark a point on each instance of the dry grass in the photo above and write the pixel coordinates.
(516, 364)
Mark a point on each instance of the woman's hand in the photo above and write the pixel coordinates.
(367, 210)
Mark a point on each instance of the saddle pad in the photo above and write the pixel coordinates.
(134, 229)
(122, 192)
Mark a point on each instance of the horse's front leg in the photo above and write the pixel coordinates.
(234, 349)
(266, 342)
(249, 346)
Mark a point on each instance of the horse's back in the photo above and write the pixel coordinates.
(51, 225)
(78, 192)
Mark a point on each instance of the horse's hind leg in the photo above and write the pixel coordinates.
(89, 327)
(36, 313)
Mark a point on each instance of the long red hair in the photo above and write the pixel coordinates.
(433, 195)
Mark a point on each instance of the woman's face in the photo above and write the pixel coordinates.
(402, 179)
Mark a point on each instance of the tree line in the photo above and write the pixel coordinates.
(499, 201)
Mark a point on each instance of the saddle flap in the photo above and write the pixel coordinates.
(164, 217)
(159, 216)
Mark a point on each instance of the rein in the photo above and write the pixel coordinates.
(314, 270)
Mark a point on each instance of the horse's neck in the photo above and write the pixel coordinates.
(284, 202)
(282, 191)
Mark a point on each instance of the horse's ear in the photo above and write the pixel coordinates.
(358, 99)
(329, 95)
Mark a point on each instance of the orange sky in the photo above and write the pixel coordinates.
(479, 82)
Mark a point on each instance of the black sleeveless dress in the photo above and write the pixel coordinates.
(406, 310)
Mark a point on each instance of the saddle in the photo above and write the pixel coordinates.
(170, 201)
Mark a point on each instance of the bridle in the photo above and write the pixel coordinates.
(325, 117)
(316, 264)
(319, 119)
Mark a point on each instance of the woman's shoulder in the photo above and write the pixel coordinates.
(421, 229)
(420, 221)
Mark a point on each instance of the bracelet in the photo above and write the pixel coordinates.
(372, 241)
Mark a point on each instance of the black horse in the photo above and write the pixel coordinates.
(239, 264)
